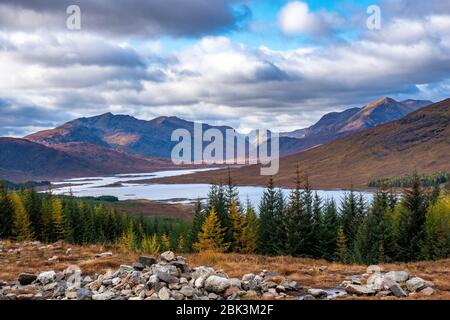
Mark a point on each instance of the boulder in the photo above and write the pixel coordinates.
(317, 293)
(397, 276)
(126, 268)
(359, 290)
(231, 291)
(308, 297)
(200, 274)
(107, 295)
(168, 256)
(164, 293)
(187, 291)
(138, 266)
(394, 287)
(375, 281)
(166, 277)
(26, 278)
(147, 261)
(428, 291)
(248, 277)
(217, 284)
(46, 277)
(416, 284)
(84, 294)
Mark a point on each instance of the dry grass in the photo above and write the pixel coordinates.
(305, 271)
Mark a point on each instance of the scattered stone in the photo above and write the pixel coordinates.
(428, 291)
(323, 268)
(168, 256)
(317, 293)
(27, 278)
(164, 294)
(375, 281)
(359, 290)
(84, 294)
(25, 296)
(248, 277)
(416, 284)
(187, 291)
(126, 269)
(308, 297)
(107, 295)
(398, 276)
(384, 293)
(166, 277)
(138, 266)
(217, 284)
(394, 287)
(46, 277)
(69, 252)
(147, 261)
(54, 258)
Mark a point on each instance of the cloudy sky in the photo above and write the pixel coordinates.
(247, 63)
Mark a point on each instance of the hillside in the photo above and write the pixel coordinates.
(22, 160)
(339, 124)
(418, 141)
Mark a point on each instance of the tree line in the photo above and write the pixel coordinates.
(410, 227)
(426, 180)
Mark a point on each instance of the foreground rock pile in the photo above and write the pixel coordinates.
(393, 283)
(170, 278)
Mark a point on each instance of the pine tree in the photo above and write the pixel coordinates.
(33, 205)
(217, 200)
(411, 227)
(150, 245)
(6, 213)
(126, 242)
(212, 235)
(349, 220)
(165, 242)
(237, 225)
(271, 221)
(21, 226)
(293, 221)
(341, 246)
(250, 232)
(199, 219)
(329, 230)
(436, 243)
(316, 235)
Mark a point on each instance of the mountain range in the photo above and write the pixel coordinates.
(419, 141)
(108, 144)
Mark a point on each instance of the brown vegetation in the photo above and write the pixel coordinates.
(306, 271)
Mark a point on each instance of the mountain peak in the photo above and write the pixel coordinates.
(385, 100)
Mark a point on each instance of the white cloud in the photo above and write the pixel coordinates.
(296, 18)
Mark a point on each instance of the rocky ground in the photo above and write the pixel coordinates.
(170, 277)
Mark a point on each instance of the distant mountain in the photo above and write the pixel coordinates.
(22, 160)
(121, 132)
(419, 141)
(339, 124)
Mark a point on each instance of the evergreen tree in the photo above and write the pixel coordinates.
(349, 220)
(271, 221)
(294, 223)
(21, 225)
(411, 227)
(33, 202)
(199, 219)
(250, 232)
(6, 213)
(329, 230)
(316, 231)
(181, 244)
(212, 235)
(217, 200)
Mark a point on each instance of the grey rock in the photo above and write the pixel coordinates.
(397, 276)
(375, 281)
(46, 277)
(126, 269)
(187, 291)
(417, 284)
(138, 266)
(428, 291)
(27, 278)
(394, 287)
(317, 293)
(164, 293)
(103, 255)
(308, 297)
(166, 277)
(359, 290)
(84, 294)
(168, 256)
(217, 284)
(373, 269)
(107, 295)
(147, 261)
(248, 277)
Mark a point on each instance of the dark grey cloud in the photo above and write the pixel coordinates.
(135, 18)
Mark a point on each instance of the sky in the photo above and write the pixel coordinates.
(275, 64)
